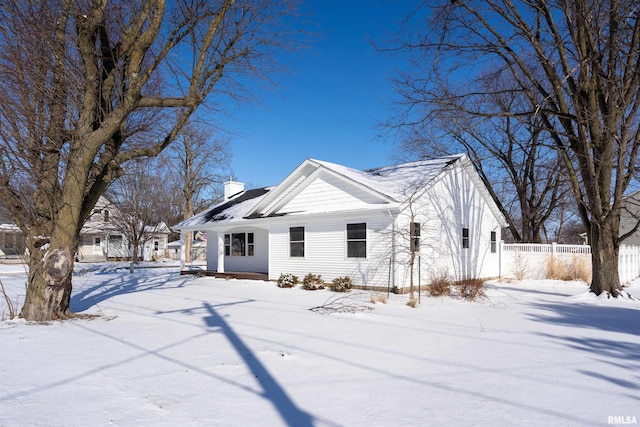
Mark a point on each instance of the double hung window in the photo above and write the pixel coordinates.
(415, 237)
(357, 240)
(296, 241)
(465, 238)
(493, 242)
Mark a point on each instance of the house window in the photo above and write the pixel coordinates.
(96, 242)
(465, 238)
(156, 245)
(357, 240)
(493, 242)
(238, 244)
(296, 241)
(115, 241)
(415, 237)
(106, 215)
(8, 241)
(250, 244)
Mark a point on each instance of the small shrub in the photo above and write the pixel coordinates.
(471, 289)
(576, 269)
(412, 302)
(581, 269)
(556, 269)
(378, 297)
(440, 286)
(287, 280)
(520, 266)
(341, 284)
(312, 282)
(11, 307)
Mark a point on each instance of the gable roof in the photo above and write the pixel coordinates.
(387, 184)
(393, 181)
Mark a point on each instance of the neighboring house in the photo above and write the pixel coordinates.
(629, 218)
(336, 221)
(12, 243)
(198, 250)
(101, 238)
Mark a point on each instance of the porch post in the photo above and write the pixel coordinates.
(183, 245)
(220, 252)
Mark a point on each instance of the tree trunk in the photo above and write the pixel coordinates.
(51, 261)
(49, 286)
(135, 253)
(604, 260)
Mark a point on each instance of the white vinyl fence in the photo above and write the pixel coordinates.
(530, 260)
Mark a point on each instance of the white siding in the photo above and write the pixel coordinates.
(286, 191)
(329, 194)
(450, 204)
(325, 250)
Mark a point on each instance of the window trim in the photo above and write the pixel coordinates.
(227, 244)
(465, 238)
(414, 230)
(355, 240)
(297, 242)
(251, 245)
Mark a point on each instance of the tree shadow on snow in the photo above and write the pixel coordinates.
(290, 413)
(287, 409)
(614, 319)
(87, 297)
(620, 352)
(624, 355)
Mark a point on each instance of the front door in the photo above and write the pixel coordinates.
(97, 245)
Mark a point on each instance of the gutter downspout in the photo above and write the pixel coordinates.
(391, 281)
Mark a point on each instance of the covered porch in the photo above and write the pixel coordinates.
(232, 251)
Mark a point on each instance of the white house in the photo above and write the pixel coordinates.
(101, 237)
(336, 221)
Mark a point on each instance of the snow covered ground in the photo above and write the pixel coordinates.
(169, 350)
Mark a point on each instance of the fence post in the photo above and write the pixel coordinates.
(500, 247)
(553, 249)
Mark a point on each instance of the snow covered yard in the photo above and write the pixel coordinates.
(171, 350)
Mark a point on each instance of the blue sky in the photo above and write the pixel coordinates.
(328, 102)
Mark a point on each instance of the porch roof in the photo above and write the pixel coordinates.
(234, 209)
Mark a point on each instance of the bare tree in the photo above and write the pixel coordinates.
(196, 161)
(512, 156)
(577, 65)
(137, 196)
(88, 86)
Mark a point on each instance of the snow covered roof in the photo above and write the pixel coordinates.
(390, 182)
(234, 209)
(9, 228)
(394, 181)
